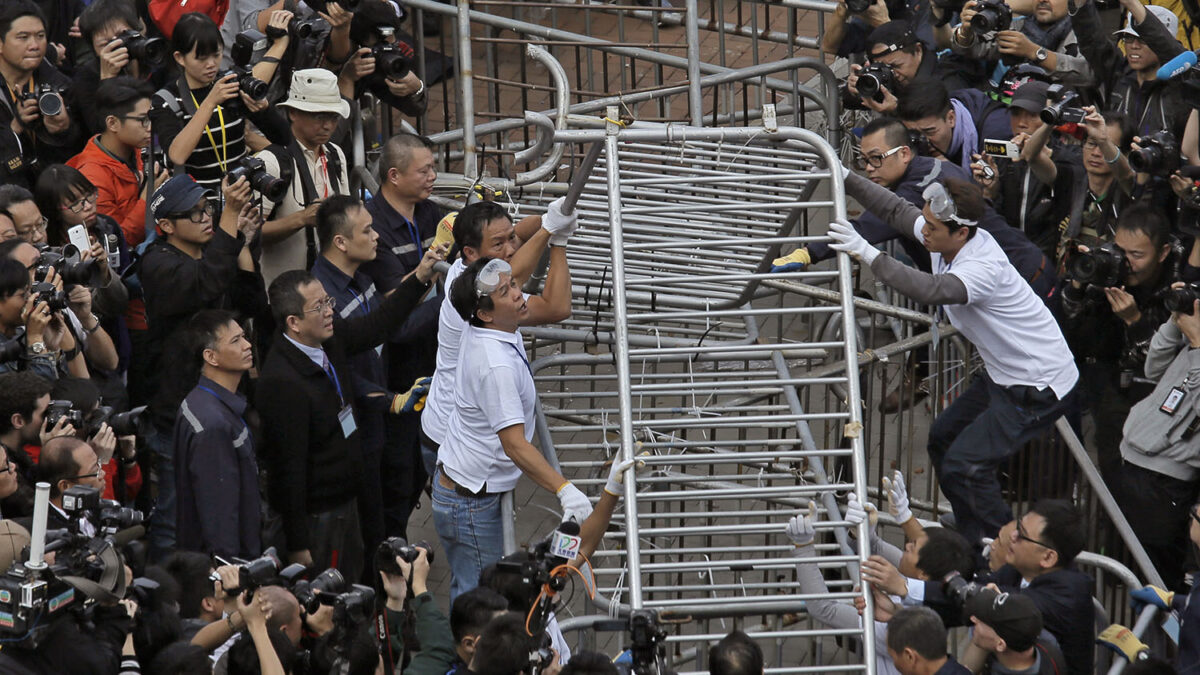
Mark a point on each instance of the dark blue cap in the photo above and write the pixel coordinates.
(177, 195)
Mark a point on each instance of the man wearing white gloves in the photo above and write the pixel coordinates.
(1029, 377)
(487, 446)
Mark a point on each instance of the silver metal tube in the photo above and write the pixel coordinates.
(37, 541)
(692, 30)
(466, 84)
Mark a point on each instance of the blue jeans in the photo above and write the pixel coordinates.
(471, 532)
(984, 427)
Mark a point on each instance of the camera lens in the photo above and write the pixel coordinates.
(50, 103)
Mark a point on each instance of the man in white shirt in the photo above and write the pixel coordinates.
(482, 230)
(1029, 376)
(493, 421)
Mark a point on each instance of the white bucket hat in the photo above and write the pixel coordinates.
(315, 90)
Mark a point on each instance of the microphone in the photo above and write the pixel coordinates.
(1177, 66)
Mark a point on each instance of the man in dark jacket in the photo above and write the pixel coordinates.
(27, 136)
(1128, 82)
(216, 479)
(305, 396)
(954, 124)
(194, 266)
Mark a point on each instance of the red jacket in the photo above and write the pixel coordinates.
(119, 195)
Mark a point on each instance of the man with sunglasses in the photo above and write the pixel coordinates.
(1030, 376)
(191, 266)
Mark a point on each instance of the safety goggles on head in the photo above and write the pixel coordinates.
(491, 277)
(942, 205)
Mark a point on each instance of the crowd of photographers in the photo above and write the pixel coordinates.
(1037, 164)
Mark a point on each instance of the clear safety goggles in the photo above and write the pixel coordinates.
(493, 275)
(942, 205)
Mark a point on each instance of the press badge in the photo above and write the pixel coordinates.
(346, 417)
(1171, 403)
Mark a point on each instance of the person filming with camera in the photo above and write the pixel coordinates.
(1044, 38)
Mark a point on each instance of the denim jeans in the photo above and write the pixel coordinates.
(985, 426)
(471, 533)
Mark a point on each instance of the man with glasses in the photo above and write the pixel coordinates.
(1128, 82)
(1030, 376)
(1160, 476)
(191, 266)
(112, 160)
(312, 446)
(65, 462)
(27, 220)
(314, 167)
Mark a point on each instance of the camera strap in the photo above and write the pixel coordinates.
(333, 170)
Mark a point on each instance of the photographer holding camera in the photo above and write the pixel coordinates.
(895, 58)
(205, 113)
(988, 32)
(383, 64)
(851, 28)
(1112, 308)
(34, 115)
(1128, 82)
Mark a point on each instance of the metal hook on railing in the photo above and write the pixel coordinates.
(546, 128)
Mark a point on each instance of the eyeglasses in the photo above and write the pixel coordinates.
(95, 474)
(36, 227)
(82, 203)
(876, 160)
(1132, 40)
(9, 467)
(143, 119)
(1022, 534)
(323, 304)
(326, 117)
(1091, 144)
(197, 214)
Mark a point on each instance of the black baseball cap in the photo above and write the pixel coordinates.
(178, 194)
(1030, 96)
(1013, 616)
(895, 34)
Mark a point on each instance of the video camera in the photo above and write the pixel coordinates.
(1158, 154)
(69, 262)
(991, 16)
(255, 172)
(246, 45)
(1059, 112)
(1104, 266)
(151, 52)
(33, 595)
(873, 79)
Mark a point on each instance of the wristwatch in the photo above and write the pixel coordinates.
(37, 347)
(1040, 55)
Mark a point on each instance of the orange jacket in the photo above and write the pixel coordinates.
(119, 196)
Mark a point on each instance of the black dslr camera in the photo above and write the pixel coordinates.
(254, 574)
(1059, 112)
(255, 171)
(873, 79)
(151, 52)
(127, 423)
(60, 409)
(55, 299)
(246, 45)
(858, 6)
(1104, 266)
(107, 515)
(396, 547)
(301, 27)
(1158, 154)
(991, 16)
(49, 98)
(958, 590)
(391, 60)
(70, 265)
(328, 584)
(1181, 299)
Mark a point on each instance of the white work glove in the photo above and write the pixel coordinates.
(848, 240)
(897, 498)
(616, 474)
(800, 528)
(855, 513)
(575, 504)
(558, 224)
